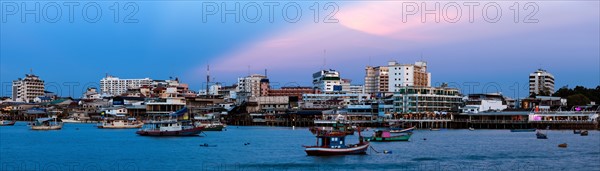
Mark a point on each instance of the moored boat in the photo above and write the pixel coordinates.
(72, 120)
(46, 124)
(7, 123)
(171, 126)
(386, 136)
(402, 130)
(576, 131)
(541, 135)
(119, 124)
(333, 143)
(584, 133)
(522, 130)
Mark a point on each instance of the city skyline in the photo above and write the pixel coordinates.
(564, 42)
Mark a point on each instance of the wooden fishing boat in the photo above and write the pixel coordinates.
(386, 136)
(347, 129)
(522, 130)
(170, 127)
(333, 143)
(7, 123)
(584, 133)
(119, 124)
(46, 124)
(402, 130)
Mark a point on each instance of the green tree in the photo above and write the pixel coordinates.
(577, 100)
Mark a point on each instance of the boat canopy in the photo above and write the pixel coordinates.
(180, 112)
(40, 120)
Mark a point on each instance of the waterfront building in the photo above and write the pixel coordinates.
(332, 100)
(376, 80)
(403, 75)
(28, 88)
(541, 82)
(476, 103)
(114, 86)
(543, 103)
(294, 92)
(413, 99)
(268, 104)
(327, 81)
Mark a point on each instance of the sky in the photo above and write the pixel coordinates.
(478, 47)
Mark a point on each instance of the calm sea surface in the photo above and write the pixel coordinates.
(84, 147)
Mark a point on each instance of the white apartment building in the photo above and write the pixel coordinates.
(402, 75)
(28, 88)
(250, 86)
(327, 81)
(541, 82)
(113, 86)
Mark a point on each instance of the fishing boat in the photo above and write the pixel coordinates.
(120, 124)
(7, 123)
(522, 130)
(46, 124)
(333, 143)
(402, 130)
(576, 131)
(170, 127)
(211, 126)
(72, 120)
(349, 130)
(584, 133)
(541, 135)
(471, 129)
(434, 129)
(386, 136)
(563, 145)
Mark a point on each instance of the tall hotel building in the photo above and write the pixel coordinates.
(28, 88)
(113, 86)
(389, 79)
(541, 82)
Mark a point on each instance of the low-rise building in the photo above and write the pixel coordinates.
(413, 99)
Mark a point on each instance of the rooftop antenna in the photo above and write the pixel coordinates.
(324, 58)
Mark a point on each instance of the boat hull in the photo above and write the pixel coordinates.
(321, 151)
(55, 127)
(388, 139)
(120, 126)
(213, 128)
(11, 123)
(185, 132)
(403, 130)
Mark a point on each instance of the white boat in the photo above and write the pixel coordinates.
(46, 124)
(72, 120)
(120, 124)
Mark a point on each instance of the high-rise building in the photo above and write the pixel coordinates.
(113, 86)
(250, 86)
(541, 82)
(401, 75)
(28, 88)
(376, 80)
(327, 81)
(390, 78)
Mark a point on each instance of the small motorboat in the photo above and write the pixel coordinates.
(386, 136)
(434, 129)
(402, 130)
(563, 145)
(541, 135)
(471, 129)
(584, 133)
(576, 131)
(7, 123)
